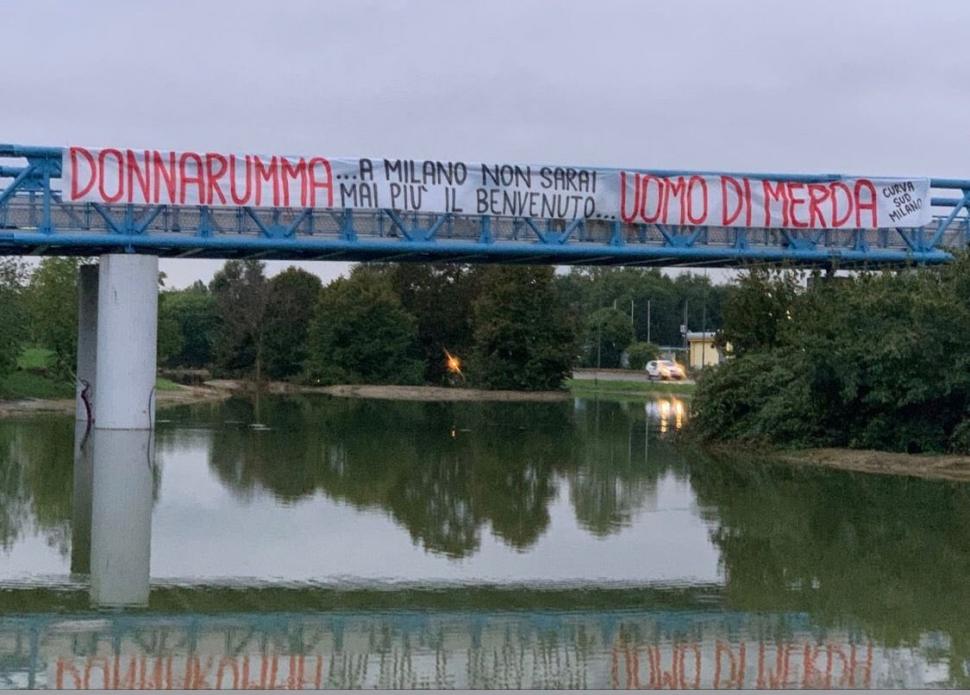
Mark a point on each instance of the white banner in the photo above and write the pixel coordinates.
(153, 177)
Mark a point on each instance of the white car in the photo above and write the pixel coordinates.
(665, 369)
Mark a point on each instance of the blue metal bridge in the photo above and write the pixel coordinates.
(34, 220)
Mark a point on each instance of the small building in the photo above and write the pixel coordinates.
(701, 351)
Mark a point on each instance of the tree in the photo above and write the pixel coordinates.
(524, 337)
(440, 297)
(241, 293)
(52, 303)
(292, 297)
(658, 302)
(608, 332)
(361, 333)
(169, 330)
(757, 307)
(194, 309)
(640, 353)
(13, 313)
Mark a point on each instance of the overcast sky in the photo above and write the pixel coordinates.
(878, 87)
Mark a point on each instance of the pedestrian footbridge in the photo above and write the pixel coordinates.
(483, 213)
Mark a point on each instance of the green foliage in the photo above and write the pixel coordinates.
(13, 315)
(241, 292)
(762, 396)
(35, 358)
(653, 295)
(166, 385)
(640, 353)
(872, 361)
(24, 384)
(290, 304)
(194, 309)
(440, 297)
(523, 338)
(606, 334)
(360, 333)
(960, 439)
(170, 339)
(52, 306)
(757, 307)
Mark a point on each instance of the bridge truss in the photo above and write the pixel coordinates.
(35, 221)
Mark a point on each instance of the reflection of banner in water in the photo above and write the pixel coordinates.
(583, 650)
(803, 663)
(800, 662)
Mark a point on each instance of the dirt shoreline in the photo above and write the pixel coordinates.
(184, 395)
(927, 466)
(400, 393)
(221, 389)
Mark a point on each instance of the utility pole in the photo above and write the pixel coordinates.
(685, 323)
(703, 334)
(599, 352)
(648, 320)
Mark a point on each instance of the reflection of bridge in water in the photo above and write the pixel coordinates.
(555, 649)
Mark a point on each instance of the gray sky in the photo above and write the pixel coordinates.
(876, 87)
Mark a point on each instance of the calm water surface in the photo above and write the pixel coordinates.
(317, 542)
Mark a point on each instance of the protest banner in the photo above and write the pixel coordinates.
(113, 176)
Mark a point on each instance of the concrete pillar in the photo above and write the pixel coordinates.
(87, 338)
(81, 498)
(127, 330)
(121, 519)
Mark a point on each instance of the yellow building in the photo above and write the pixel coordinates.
(701, 351)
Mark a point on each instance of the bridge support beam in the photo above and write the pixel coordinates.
(127, 326)
(87, 342)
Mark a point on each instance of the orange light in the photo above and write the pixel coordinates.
(453, 364)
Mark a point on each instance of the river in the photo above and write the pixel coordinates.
(312, 542)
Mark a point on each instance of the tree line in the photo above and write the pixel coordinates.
(510, 327)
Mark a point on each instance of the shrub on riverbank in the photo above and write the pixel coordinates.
(876, 361)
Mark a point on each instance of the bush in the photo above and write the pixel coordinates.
(639, 353)
(761, 397)
(873, 361)
(960, 439)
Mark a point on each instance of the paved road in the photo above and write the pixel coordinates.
(615, 375)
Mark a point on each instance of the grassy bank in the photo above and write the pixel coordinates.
(33, 379)
(628, 389)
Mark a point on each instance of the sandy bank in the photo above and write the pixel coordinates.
(183, 395)
(220, 389)
(401, 393)
(928, 466)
